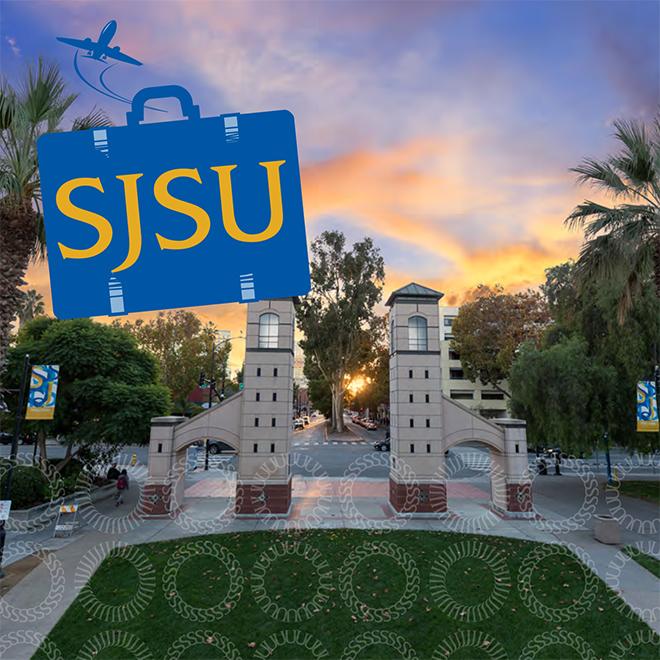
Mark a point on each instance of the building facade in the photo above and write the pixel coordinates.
(483, 399)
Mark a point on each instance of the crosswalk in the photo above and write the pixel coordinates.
(309, 443)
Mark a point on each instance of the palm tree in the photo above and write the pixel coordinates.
(622, 241)
(36, 107)
(31, 306)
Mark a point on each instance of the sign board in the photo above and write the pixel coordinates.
(67, 520)
(647, 406)
(43, 391)
(5, 508)
(133, 213)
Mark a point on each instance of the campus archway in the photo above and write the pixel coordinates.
(424, 423)
(256, 422)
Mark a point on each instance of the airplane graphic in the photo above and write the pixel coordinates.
(100, 50)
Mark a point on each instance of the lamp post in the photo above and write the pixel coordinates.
(18, 424)
(606, 438)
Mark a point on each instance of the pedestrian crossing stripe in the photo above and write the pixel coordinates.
(327, 444)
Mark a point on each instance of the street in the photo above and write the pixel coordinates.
(335, 454)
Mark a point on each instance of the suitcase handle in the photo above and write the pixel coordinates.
(188, 109)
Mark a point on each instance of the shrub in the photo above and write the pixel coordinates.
(29, 486)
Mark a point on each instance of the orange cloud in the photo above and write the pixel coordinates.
(425, 194)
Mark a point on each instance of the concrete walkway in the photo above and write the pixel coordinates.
(565, 509)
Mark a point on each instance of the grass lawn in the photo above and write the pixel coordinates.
(325, 592)
(649, 563)
(645, 490)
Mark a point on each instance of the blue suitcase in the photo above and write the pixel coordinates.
(174, 214)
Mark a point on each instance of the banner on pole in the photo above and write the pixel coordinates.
(43, 391)
(647, 406)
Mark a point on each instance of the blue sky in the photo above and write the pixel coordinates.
(443, 130)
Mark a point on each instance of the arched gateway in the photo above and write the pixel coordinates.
(424, 423)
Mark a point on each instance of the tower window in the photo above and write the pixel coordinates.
(410, 398)
(255, 447)
(410, 373)
(256, 421)
(427, 399)
(275, 372)
(412, 448)
(428, 423)
(274, 396)
(258, 371)
(268, 330)
(272, 421)
(272, 447)
(428, 449)
(258, 396)
(412, 423)
(417, 333)
(426, 373)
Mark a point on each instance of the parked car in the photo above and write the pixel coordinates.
(26, 438)
(306, 420)
(298, 424)
(218, 447)
(382, 445)
(370, 425)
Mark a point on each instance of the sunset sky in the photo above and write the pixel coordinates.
(443, 130)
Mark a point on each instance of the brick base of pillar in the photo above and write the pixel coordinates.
(519, 498)
(418, 498)
(257, 500)
(155, 501)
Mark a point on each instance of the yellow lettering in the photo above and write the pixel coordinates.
(227, 203)
(102, 226)
(199, 215)
(132, 219)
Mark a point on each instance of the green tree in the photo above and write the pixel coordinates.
(566, 398)
(375, 371)
(32, 305)
(375, 390)
(587, 312)
(35, 107)
(337, 316)
(183, 348)
(490, 329)
(622, 243)
(108, 388)
(317, 389)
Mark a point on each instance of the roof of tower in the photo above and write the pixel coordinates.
(414, 290)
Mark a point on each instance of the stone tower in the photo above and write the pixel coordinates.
(264, 476)
(416, 420)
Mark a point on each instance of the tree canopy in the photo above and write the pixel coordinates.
(183, 347)
(622, 241)
(108, 388)
(489, 330)
(587, 356)
(337, 316)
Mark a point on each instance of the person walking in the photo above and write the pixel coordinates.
(113, 472)
(122, 485)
